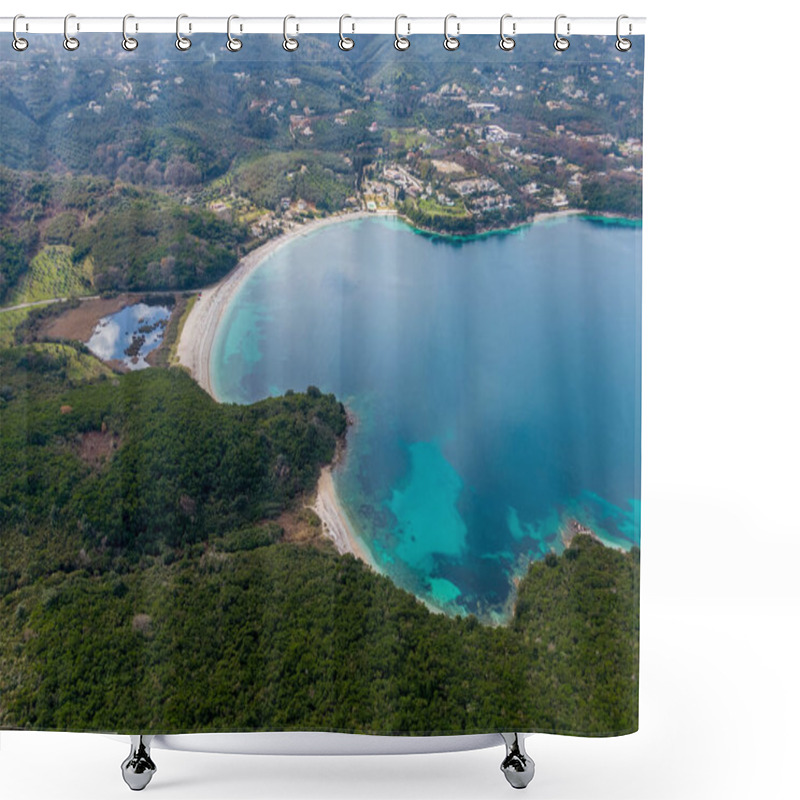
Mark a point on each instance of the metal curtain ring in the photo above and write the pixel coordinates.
(70, 42)
(289, 44)
(181, 42)
(507, 42)
(451, 42)
(561, 43)
(345, 42)
(19, 44)
(233, 44)
(128, 42)
(401, 42)
(623, 45)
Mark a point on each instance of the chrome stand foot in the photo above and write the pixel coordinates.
(517, 766)
(138, 768)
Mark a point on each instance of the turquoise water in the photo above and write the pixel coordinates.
(495, 383)
(113, 336)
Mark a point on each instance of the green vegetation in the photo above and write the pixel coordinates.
(17, 246)
(406, 138)
(144, 241)
(44, 370)
(322, 179)
(9, 320)
(74, 365)
(100, 237)
(279, 637)
(250, 538)
(13, 260)
(52, 273)
(432, 216)
(146, 584)
(62, 228)
(182, 467)
(617, 194)
(167, 352)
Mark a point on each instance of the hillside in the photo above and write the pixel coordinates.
(147, 581)
(160, 177)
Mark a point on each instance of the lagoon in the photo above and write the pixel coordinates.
(495, 381)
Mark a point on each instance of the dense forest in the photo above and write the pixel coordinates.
(322, 179)
(148, 580)
(282, 637)
(612, 195)
(147, 460)
(144, 241)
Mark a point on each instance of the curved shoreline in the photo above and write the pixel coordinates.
(539, 218)
(197, 337)
(335, 522)
(196, 341)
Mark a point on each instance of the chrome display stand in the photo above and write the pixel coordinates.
(139, 767)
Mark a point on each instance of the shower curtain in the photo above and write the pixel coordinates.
(320, 385)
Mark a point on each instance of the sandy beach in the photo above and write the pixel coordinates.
(335, 523)
(547, 216)
(194, 353)
(200, 328)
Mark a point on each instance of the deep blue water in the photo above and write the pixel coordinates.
(496, 382)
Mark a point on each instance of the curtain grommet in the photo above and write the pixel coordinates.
(401, 43)
(182, 42)
(451, 42)
(561, 43)
(233, 44)
(507, 43)
(345, 42)
(622, 44)
(290, 44)
(70, 43)
(128, 42)
(19, 44)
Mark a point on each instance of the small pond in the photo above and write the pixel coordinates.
(130, 334)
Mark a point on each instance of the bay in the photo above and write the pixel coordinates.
(495, 381)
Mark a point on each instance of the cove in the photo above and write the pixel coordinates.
(495, 382)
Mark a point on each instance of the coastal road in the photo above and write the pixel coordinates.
(42, 303)
(82, 299)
